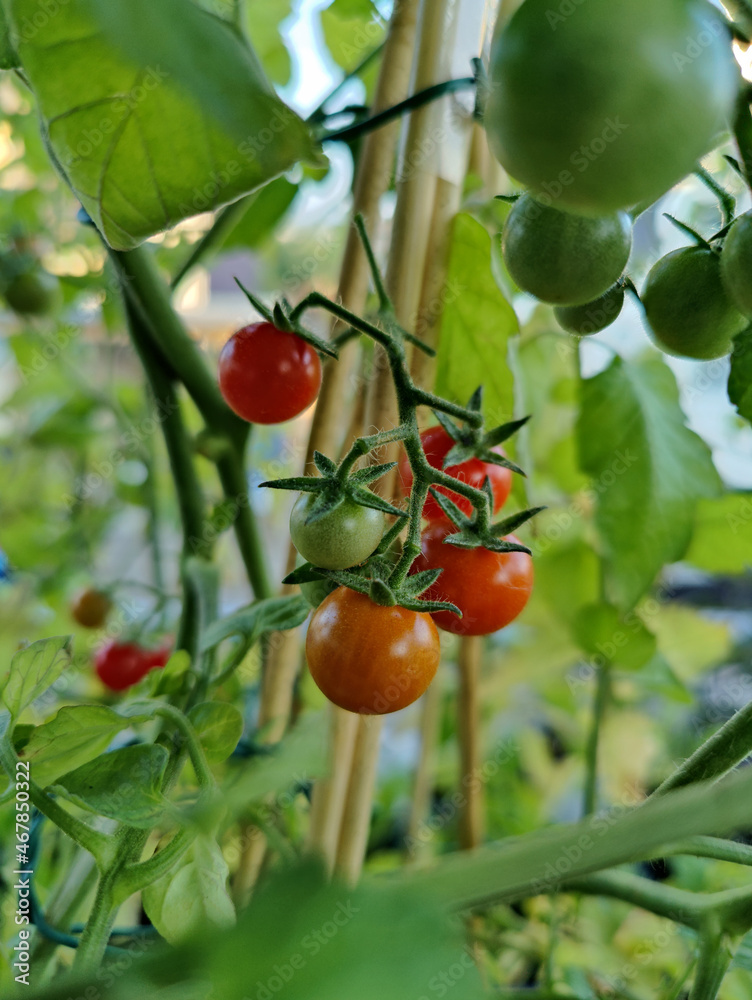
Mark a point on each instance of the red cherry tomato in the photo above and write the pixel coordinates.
(120, 665)
(268, 376)
(489, 588)
(436, 444)
(367, 658)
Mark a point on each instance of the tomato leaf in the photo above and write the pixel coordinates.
(648, 471)
(722, 537)
(219, 726)
(33, 670)
(131, 90)
(605, 634)
(8, 55)
(274, 614)
(193, 895)
(75, 736)
(122, 785)
(740, 376)
(476, 325)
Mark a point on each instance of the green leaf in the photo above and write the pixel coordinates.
(722, 537)
(262, 18)
(219, 726)
(33, 670)
(648, 471)
(476, 325)
(76, 735)
(604, 633)
(173, 676)
(740, 375)
(352, 29)
(524, 866)
(8, 55)
(122, 785)
(274, 614)
(141, 110)
(302, 754)
(263, 214)
(193, 897)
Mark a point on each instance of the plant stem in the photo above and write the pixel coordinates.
(432, 93)
(96, 933)
(235, 486)
(215, 236)
(727, 747)
(712, 962)
(712, 847)
(600, 701)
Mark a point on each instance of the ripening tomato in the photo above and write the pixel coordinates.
(267, 375)
(120, 665)
(91, 608)
(563, 258)
(436, 445)
(367, 658)
(32, 293)
(489, 588)
(607, 105)
(687, 309)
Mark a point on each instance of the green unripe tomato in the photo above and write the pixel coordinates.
(342, 538)
(611, 103)
(686, 307)
(31, 293)
(592, 317)
(563, 258)
(736, 264)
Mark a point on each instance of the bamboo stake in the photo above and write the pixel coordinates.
(406, 274)
(471, 826)
(423, 780)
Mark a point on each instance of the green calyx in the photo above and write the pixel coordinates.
(280, 315)
(476, 531)
(473, 441)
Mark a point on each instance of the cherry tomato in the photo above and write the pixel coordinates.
(268, 376)
(436, 444)
(120, 665)
(489, 588)
(367, 658)
(344, 537)
(91, 608)
(686, 307)
(592, 317)
(564, 258)
(31, 293)
(608, 105)
(736, 264)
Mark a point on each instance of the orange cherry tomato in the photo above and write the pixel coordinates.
(489, 588)
(367, 658)
(91, 608)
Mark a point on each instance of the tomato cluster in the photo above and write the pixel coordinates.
(120, 665)
(267, 375)
(602, 113)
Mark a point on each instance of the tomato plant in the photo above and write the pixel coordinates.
(490, 588)
(564, 258)
(437, 443)
(367, 658)
(268, 375)
(181, 819)
(578, 105)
